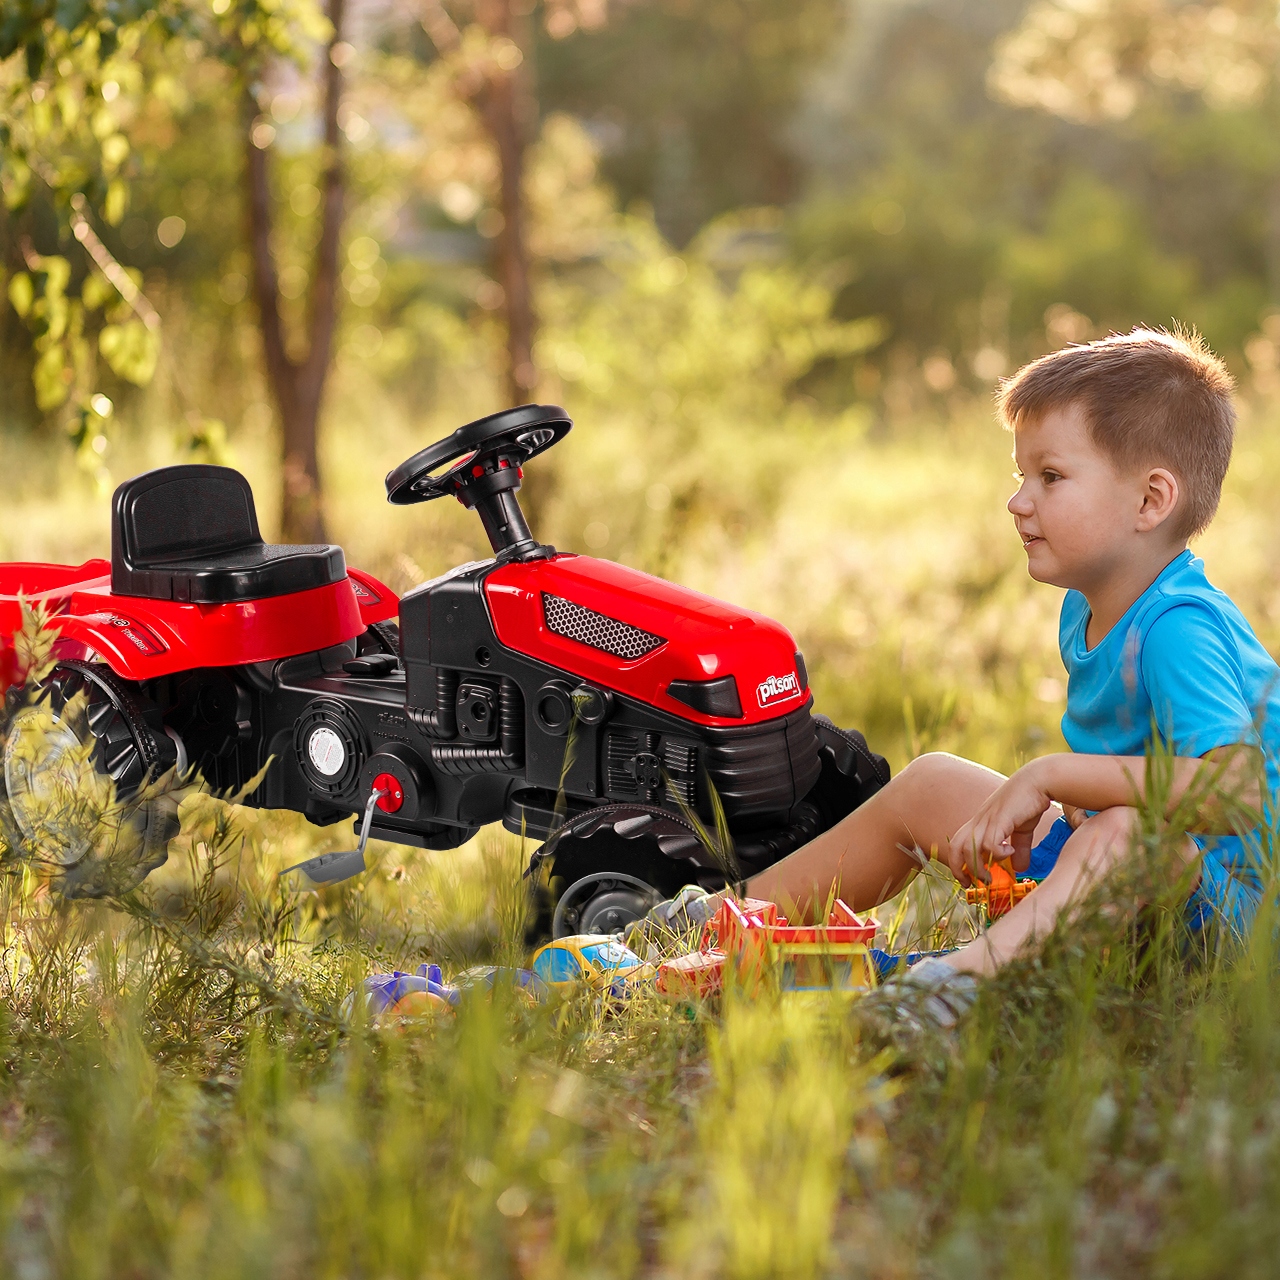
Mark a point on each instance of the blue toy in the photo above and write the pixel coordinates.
(400, 994)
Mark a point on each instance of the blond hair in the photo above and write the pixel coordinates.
(1150, 398)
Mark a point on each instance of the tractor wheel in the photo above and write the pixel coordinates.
(608, 866)
(85, 765)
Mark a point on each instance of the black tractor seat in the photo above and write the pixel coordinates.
(190, 533)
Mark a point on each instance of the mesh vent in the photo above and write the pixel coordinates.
(595, 629)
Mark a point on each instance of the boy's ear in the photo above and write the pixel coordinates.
(1159, 499)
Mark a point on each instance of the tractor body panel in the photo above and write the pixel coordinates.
(637, 634)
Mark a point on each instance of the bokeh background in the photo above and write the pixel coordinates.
(772, 255)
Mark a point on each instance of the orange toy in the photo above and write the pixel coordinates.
(757, 939)
(1002, 893)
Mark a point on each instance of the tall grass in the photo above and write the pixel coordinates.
(1110, 1108)
(181, 1095)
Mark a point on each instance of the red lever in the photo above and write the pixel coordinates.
(392, 797)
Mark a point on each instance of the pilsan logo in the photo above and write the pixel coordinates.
(778, 689)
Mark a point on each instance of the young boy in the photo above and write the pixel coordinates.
(1122, 446)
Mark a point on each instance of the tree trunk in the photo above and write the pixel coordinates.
(505, 109)
(297, 386)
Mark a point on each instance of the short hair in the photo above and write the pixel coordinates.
(1150, 398)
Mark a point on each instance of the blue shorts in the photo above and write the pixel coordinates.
(1220, 897)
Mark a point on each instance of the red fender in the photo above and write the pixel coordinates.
(141, 638)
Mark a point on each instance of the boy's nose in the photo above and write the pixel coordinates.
(1020, 504)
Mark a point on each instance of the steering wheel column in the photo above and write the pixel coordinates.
(492, 495)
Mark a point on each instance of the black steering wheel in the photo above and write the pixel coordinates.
(517, 434)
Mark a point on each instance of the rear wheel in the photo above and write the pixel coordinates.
(85, 765)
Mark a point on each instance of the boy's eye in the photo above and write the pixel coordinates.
(1050, 476)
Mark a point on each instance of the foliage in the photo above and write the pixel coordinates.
(79, 83)
(694, 100)
(932, 184)
(1099, 62)
(911, 177)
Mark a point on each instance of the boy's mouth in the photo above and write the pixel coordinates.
(1029, 540)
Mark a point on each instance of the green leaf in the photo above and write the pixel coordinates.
(18, 188)
(49, 377)
(96, 292)
(116, 203)
(131, 349)
(22, 293)
(57, 271)
(114, 151)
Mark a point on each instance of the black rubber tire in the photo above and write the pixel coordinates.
(133, 767)
(568, 857)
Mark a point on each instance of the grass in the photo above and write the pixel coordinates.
(179, 1098)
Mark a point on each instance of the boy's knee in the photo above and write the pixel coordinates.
(937, 766)
(1103, 839)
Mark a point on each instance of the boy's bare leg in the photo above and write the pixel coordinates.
(1097, 845)
(865, 858)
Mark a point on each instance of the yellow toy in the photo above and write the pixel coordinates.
(597, 959)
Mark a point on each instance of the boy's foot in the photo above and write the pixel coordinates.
(930, 990)
(676, 918)
(917, 1011)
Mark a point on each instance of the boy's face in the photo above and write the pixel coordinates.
(1080, 519)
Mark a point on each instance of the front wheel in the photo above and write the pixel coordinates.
(88, 769)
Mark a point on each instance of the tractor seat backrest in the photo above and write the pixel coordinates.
(190, 533)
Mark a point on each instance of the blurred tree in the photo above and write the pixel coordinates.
(75, 77)
(490, 73)
(1111, 61)
(693, 101)
(298, 381)
(983, 233)
(71, 78)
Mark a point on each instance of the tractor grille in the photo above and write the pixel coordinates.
(588, 627)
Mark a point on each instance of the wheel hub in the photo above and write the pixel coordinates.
(53, 788)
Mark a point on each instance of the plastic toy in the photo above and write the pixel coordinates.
(401, 995)
(548, 691)
(384, 993)
(597, 959)
(756, 941)
(1001, 894)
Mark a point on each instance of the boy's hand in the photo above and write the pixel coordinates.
(1003, 828)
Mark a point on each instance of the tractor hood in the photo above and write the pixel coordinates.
(676, 649)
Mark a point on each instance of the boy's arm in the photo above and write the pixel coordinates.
(1222, 782)
(1226, 781)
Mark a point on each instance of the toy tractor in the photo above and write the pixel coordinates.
(614, 716)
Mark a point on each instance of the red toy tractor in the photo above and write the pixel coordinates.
(601, 710)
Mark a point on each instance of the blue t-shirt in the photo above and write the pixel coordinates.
(1184, 658)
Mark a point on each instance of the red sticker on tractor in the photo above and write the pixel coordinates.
(778, 689)
(365, 596)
